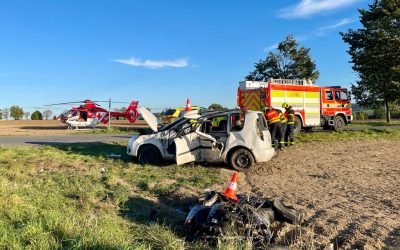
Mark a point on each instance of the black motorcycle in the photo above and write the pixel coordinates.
(248, 219)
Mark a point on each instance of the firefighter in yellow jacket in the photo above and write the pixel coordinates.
(275, 126)
(290, 118)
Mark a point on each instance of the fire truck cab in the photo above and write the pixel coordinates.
(314, 106)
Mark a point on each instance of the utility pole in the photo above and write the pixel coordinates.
(109, 113)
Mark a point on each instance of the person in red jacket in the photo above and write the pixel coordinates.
(275, 127)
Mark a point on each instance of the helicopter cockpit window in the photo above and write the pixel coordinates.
(83, 116)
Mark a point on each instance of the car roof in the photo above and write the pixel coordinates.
(210, 112)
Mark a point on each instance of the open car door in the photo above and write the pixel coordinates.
(187, 148)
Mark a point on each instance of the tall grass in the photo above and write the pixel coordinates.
(73, 196)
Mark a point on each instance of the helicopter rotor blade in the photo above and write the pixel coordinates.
(83, 102)
(63, 103)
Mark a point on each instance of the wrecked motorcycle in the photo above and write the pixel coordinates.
(248, 219)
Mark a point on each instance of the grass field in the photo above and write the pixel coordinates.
(73, 196)
(348, 135)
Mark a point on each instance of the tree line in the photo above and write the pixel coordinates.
(375, 55)
(17, 113)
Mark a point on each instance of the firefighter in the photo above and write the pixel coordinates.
(283, 122)
(289, 133)
(275, 126)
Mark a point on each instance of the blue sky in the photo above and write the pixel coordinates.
(159, 52)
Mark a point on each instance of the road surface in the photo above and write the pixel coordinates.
(53, 139)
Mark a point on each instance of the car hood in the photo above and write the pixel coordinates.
(150, 119)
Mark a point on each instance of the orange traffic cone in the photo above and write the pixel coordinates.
(230, 191)
(188, 107)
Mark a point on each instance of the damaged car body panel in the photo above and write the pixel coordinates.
(239, 138)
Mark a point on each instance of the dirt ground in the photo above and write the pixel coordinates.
(347, 191)
(53, 127)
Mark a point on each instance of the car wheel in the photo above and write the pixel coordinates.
(149, 154)
(241, 160)
(338, 123)
(297, 125)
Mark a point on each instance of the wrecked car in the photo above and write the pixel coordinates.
(239, 138)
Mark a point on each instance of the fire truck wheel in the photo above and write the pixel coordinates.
(297, 125)
(338, 123)
(149, 154)
(241, 160)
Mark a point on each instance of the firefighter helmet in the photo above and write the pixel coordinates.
(285, 105)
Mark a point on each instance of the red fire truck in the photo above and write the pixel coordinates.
(328, 107)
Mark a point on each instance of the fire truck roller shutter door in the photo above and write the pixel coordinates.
(312, 108)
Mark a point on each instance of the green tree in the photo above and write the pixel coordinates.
(375, 54)
(215, 106)
(16, 112)
(289, 61)
(37, 115)
(1, 114)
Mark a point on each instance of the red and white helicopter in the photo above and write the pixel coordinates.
(89, 114)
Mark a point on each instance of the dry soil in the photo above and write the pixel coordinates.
(347, 191)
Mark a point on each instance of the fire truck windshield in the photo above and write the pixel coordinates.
(342, 95)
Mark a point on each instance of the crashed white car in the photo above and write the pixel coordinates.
(239, 138)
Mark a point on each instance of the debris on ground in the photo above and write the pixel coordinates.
(113, 156)
(240, 217)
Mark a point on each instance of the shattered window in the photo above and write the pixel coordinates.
(262, 123)
(219, 124)
(237, 122)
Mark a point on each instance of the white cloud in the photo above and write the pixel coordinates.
(151, 64)
(307, 8)
(271, 47)
(342, 22)
(326, 29)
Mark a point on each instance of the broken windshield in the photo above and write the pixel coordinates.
(172, 124)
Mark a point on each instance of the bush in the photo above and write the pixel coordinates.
(379, 113)
(361, 115)
(37, 115)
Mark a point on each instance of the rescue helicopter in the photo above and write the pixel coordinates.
(89, 114)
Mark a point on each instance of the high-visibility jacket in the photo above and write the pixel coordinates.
(283, 116)
(289, 113)
(272, 116)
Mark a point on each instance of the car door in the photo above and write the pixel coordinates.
(216, 129)
(187, 148)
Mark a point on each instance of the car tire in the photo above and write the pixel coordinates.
(338, 123)
(297, 125)
(241, 160)
(285, 213)
(149, 154)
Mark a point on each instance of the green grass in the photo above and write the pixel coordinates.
(378, 123)
(73, 196)
(391, 134)
(112, 130)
